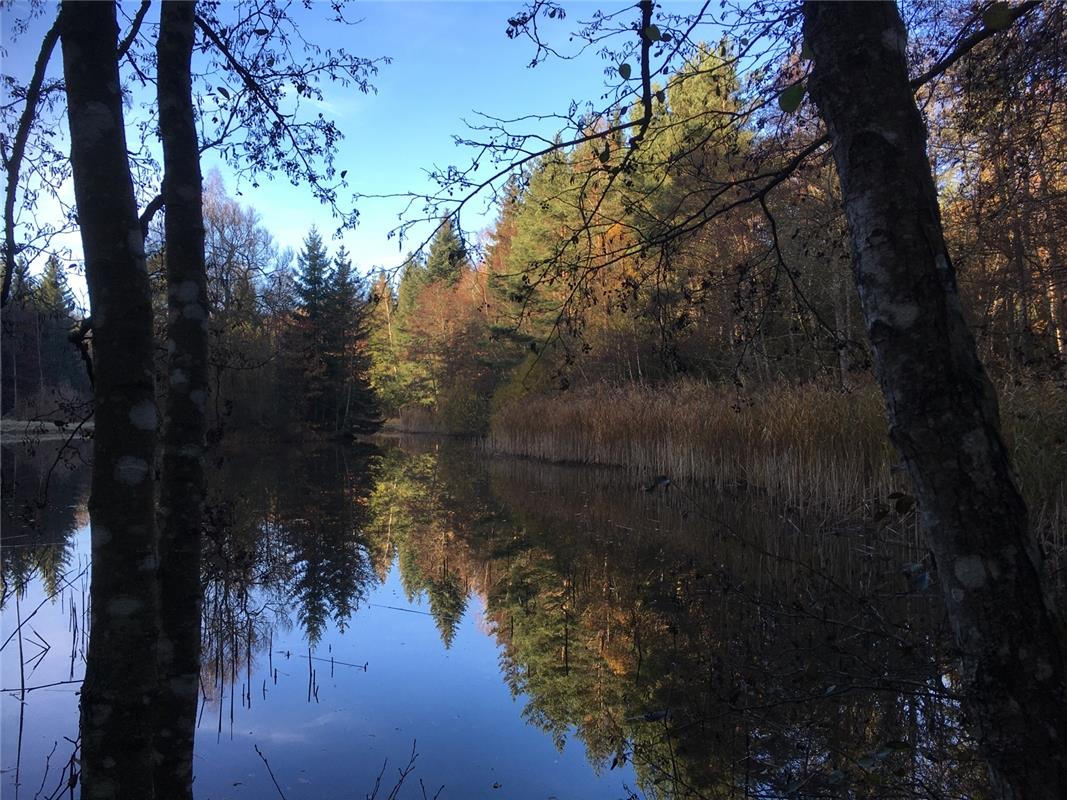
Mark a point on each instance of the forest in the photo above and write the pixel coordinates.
(804, 265)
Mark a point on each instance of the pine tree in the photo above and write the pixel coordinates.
(313, 275)
(448, 257)
(306, 381)
(346, 324)
(52, 294)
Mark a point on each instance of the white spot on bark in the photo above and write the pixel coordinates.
(1043, 671)
(970, 571)
(958, 595)
(143, 416)
(171, 346)
(177, 377)
(188, 291)
(131, 470)
(898, 316)
(124, 606)
(194, 311)
(149, 564)
(101, 713)
(893, 40)
(136, 242)
(199, 398)
(975, 444)
(95, 120)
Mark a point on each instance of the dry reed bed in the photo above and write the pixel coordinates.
(803, 445)
(800, 444)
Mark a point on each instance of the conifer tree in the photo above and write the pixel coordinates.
(52, 294)
(447, 258)
(313, 275)
(355, 406)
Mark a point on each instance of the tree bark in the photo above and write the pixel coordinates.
(185, 413)
(942, 409)
(120, 673)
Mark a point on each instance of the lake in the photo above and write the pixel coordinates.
(520, 630)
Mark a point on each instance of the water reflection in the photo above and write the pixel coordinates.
(726, 647)
(45, 487)
(550, 630)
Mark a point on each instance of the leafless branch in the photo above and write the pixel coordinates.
(18, 149)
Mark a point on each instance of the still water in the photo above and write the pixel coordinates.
(520, 630)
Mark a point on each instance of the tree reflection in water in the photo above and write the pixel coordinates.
(283, 534)
(728, 646)
(724, 646)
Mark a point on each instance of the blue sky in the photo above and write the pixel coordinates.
(449, 59)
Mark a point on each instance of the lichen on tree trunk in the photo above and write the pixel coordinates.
(120, 673)
(942, 408)
(185, 412)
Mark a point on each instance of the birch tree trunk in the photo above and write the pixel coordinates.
(120, 673)
(185, 413)
(942, 408)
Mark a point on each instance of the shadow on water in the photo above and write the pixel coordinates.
(661, 642)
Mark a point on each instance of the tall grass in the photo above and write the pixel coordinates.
(804, 445)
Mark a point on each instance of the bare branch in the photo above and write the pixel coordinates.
(18, 149)
(149, 213)
(135, 28)
(968, 44)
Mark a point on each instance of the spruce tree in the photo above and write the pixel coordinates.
(307, 347)
(448, 257)
(346, 328)
(52, 294)
(313, 275)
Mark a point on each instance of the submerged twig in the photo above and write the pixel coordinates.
(270, 772)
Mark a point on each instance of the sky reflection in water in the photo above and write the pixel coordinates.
(538, 631)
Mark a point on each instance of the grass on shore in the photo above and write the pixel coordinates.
(803, 445)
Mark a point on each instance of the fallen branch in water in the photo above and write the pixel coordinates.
(270, 772)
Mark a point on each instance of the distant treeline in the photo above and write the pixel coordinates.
(44, 375)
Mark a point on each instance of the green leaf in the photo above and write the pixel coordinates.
(806, 53)
(790, 100)
(905, 504)
(260, 31)
(224, 92)
(624, 71)
(997, 17)
(652, 33)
